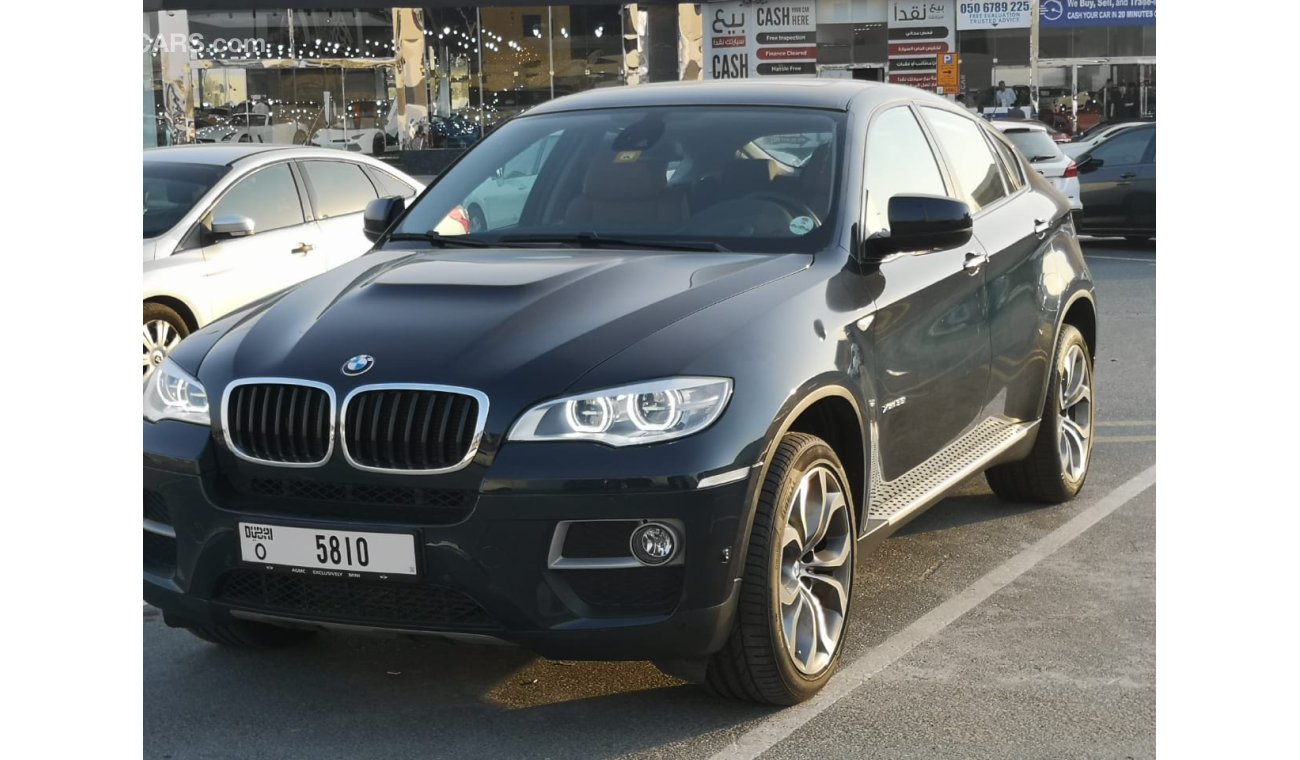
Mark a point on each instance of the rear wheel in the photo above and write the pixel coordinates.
(477, 222)
(797, 584)
(377, 147)
(243, 634)
(1055, 469)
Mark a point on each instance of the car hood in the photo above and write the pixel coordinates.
(528, 321)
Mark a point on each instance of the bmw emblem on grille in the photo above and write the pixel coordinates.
(358, 365)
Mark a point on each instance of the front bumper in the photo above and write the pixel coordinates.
(489, 564)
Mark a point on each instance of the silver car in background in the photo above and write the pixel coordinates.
(226, 224)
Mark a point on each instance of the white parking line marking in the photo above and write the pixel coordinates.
(1126, 423)
(768, 733)
(1125, 439)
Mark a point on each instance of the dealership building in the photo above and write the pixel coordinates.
(372, 77)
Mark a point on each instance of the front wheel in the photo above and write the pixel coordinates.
(797, 581)
(163, 330)
(1058, 464)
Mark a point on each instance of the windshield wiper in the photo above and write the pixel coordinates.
(1036, 159)
(592, 240)
(442, 241)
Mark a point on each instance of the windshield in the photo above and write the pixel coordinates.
(1034, 143)
(742, 178)
(171, 190)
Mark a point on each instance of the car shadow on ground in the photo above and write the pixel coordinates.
(1118, 245)
(394, 696)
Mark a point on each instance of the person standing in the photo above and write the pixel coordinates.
(1006, 97)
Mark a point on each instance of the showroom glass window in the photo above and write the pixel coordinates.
(899, 162)
(340, 188)
(268, 196)
(969, 157)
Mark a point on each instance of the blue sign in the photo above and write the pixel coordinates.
(1060, 14)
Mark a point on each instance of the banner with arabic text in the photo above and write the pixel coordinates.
(918, 32)
(759, 38)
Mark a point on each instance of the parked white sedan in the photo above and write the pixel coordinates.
(1034, 139)
(226, 224)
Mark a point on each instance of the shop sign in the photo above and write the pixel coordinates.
(918, 32)
(994, 14)
(748, 38)
(1058, 14)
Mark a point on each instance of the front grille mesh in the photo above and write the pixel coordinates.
(155, 508)
(159, 552)
(352, 601)
(593, 539)
(637, 589)
(282, 423)
(409, 429)
(310, 490)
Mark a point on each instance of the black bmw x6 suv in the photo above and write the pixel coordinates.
(643, 375)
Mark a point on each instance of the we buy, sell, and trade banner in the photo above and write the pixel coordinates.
(759, 38)
(918, 33)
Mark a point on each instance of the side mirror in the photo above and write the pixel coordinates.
(380, 215)
(1090, 164)
(231, 226)
(923, 223)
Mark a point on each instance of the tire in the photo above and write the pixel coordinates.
(756, 664)
(1044, 475)
(243, 634)
(477, 222)
(378, 148)
(163, 328)
(245, 138)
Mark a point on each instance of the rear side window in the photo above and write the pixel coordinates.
(969, 157)
(268, 196)
(390, 185)
(340, 188)
(1125, 148)
(899, 162)
(1011, 167)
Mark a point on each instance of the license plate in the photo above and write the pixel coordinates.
(343, 553)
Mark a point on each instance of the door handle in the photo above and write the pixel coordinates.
(1041, 226)
(302, 249)
(974, 261)
(1128, 175)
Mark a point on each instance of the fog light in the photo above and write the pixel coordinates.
(654, 544)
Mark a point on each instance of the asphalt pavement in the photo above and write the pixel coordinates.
(981, 630)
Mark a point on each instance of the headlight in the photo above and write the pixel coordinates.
(173, 394)
(659, 410)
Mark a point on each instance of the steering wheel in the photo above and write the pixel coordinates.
(793, 205)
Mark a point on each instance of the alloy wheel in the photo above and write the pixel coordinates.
(1076, 412)
(816, 571)
(160, 337)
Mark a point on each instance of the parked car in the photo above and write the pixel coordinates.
(361, 129)
(636, 422)
(228, 224)
(254, 128)
(1117, 183)
(1097, 135)
(1044, 156)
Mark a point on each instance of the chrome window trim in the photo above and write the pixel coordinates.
(330, 430)
(479, 424)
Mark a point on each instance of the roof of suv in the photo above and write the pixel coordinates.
(833, 94)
